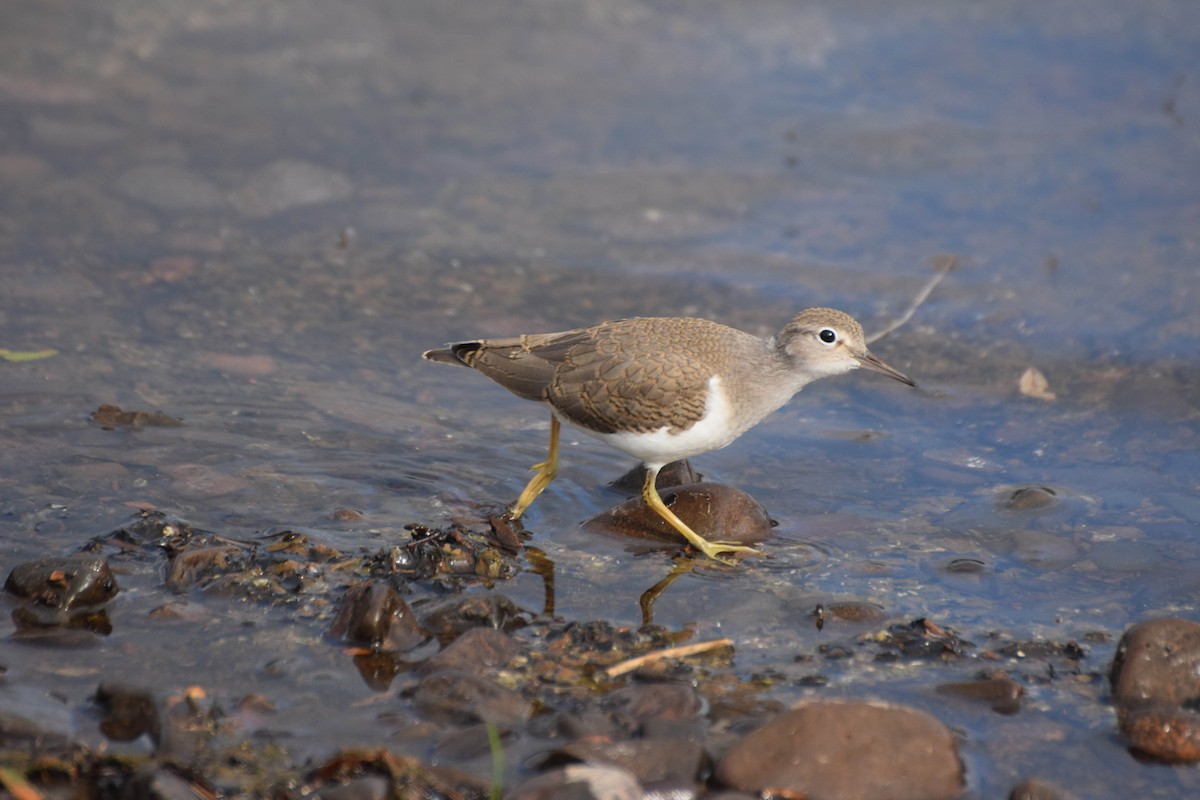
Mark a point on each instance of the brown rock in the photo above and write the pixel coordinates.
(467, 697)
(1004, 694)
(835, 748)
(641, 703)
(63, 583)
(1157, 662)
(375, 614)
(712, 510)
(447, 618)
(478, 648)
(1167, 734)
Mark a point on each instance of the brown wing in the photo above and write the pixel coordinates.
(616, 376)
(620, 377)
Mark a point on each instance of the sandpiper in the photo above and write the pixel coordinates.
(665, 388)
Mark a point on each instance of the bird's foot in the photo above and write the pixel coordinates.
(714, 550)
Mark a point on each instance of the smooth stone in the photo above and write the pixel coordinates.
(455, 696)
(64, 582)
(1003, 694)
(677, 473)
(476, 649)
(1029, 498)
(713, 510)
(375, 614)
(1171, 735)
(1157, 663)
(847, 748)
(636, 705)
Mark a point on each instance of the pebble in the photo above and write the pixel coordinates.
(713, 510)
(375, 614)
(847, 748)
(1003, 694)
(65, 582)
(455, 696)
(1157, 663)
(477, 648)
(1155, 679)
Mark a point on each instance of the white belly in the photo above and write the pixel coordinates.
(714, 430)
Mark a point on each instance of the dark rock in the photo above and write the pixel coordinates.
(854, 611)
(677, 473)
(1157, 662)
(476, 649)
(375, 614)
(848, 749)
(1003, 694)
(447, 618)
(63, 583)
(1029, 498)
(580, 782)
(714, 511)
(466, 697)
(638, 704)
(1036, 789)
(129, 712)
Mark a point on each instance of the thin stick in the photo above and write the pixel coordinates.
(943, 266)
(661, 655)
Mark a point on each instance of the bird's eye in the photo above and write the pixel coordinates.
(828, 335)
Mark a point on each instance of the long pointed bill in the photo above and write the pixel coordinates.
(868, 361)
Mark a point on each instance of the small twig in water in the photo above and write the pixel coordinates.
(661, 655)
(942, 266)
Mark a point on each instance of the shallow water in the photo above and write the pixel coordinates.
(254, 217)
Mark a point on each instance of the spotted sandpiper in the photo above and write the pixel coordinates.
(665, 388)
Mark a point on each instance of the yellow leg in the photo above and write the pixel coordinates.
(546, 470)
(710, 549)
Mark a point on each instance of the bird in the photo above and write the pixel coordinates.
(662, 389)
